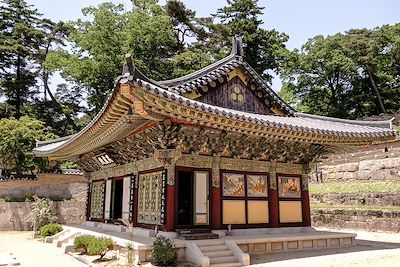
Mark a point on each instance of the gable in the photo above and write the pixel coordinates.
(235, 91)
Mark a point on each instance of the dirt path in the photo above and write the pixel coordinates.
(372, 250)
(33, 253)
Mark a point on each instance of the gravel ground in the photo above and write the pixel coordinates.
(33, 253)
(372, 250)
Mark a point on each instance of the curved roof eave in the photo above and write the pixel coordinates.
(50, 147)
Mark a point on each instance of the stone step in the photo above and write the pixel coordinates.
(67, 239)
(193, 231)
(214, 248)
(207, 243)
(58, 236)
(227, 259)
(200, 236)
(222, 253)
(229, 264)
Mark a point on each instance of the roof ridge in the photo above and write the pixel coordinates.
(387, 124)
(197, 72)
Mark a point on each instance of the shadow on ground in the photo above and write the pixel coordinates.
(361, 245)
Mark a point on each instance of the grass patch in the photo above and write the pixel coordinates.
(323, 206)
(354, 187)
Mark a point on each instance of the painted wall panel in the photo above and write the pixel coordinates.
(257, 212)
(233, 212)
(290, 212)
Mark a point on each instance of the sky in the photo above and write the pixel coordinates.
(300, 19)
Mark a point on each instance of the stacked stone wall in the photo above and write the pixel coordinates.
(368, 199)
(381, 163)
(370, 220)
(13, 214)
(67, 191)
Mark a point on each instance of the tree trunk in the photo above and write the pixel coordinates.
(18, 89)
(375, 90)
(70, 121)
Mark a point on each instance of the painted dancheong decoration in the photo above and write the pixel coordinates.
(214, 148)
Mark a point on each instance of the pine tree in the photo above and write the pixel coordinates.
(264, 48)
(19, 41)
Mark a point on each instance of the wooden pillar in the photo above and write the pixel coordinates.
(88, 194)
(273, 197)
(215, 208)
(169, 224)
(306, 208)
(88, 200)
(215, 195)
(305, 197)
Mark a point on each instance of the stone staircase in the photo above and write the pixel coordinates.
(64, 239)
(216, 253)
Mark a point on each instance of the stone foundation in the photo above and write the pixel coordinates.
(368, 220)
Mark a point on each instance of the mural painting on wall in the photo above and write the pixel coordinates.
(233, 184)
(289, 187)
(257, 186)
(96, 207)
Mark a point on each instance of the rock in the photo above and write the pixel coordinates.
(347, 167)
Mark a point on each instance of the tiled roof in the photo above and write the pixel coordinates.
(120, 114)
(299, 122)
(218, 70)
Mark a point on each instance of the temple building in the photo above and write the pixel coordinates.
(214, 148)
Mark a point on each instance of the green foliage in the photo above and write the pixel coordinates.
(316, 206)
(100, 246)
(349, 75)
(83, 241)
(50, 229)
(17, 139)
(102, 41)
(94, 245)
(369, 187)
(164, 252)
(42, 212)
(265, 49)
(68, 165)
(20, 36)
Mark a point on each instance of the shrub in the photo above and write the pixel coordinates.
(100, 246)
(50, 229)
(83, 241)
(94, 245)
(42, 212)
(163, 252)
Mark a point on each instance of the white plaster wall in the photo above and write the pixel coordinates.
(126, 197)
(107, 200)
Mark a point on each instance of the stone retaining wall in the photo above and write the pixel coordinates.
(369, 220)
(54, 186)
(52, 191)
(13, 214)
(368, 199)
(384, 169)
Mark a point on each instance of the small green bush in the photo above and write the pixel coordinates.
(83, 241)
(50, 229)
(100, 246)
(92, 245)
(163, 252)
